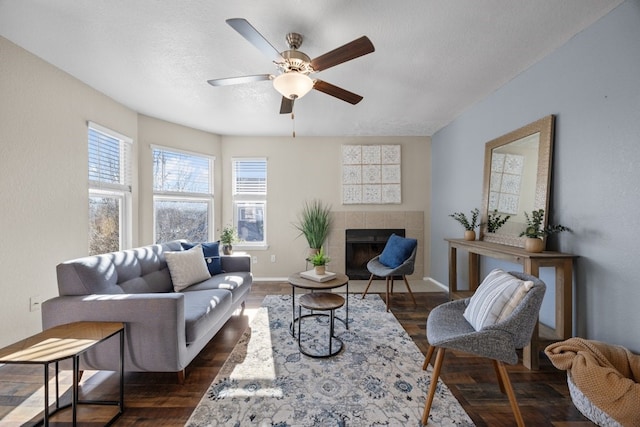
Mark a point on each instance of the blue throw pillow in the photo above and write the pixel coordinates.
(211, 255)
(397, 250)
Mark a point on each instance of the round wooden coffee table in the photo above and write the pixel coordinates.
(297, 281)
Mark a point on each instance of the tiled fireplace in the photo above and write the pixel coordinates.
(412, 222)
(361, 245)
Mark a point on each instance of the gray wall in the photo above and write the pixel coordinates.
(592, 85)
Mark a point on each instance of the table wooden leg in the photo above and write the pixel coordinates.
(453, 271)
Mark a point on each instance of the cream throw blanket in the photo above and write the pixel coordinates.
(606, 374)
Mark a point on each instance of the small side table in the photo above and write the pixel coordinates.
(66, 342)
(297, 281)
(321, 301)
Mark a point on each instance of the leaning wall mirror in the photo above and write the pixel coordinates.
(517, 174)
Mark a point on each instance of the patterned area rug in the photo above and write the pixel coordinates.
(376, 380)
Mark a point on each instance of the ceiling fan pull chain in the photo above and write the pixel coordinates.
(293, 115)
(293, 121)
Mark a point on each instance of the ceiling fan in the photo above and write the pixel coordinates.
(292, 80)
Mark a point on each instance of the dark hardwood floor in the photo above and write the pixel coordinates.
(156, 399)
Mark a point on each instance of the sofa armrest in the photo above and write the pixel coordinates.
(232, 263)
(154, 326)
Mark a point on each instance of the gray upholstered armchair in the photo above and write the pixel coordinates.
(397, 259)
(497, 339)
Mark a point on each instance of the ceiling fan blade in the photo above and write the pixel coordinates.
(239, 80)
(336, 91)
(286, 106)
(252, 35)
(349, 51)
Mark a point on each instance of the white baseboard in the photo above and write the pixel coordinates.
(435, 282)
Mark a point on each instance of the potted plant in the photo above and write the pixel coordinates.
(228, 237)
(469, 225)
(535, 231)
(319, 261)
(314, 222)
(495, 221)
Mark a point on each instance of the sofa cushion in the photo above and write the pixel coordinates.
(397, 250)
(238, 282)
(495, 299)
(203, 309)
(187, 267)
(211, 255)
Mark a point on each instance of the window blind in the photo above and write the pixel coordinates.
(109, 160)
(249, 176)
(180, 172)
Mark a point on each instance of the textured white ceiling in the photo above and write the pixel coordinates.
(433, 58)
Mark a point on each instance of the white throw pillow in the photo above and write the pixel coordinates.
(187, 267)
(495, 299)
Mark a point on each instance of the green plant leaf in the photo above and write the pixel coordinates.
(314, 223)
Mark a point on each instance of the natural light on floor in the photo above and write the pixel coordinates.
(33, 405)
(250, 369)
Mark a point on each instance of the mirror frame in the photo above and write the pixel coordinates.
(545, 127)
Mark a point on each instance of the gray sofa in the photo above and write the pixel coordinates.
(165, 330)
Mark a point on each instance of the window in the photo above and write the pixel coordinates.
(182, 195)
(250, 200)
(109, 190)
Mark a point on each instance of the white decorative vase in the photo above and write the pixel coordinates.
(320, 269)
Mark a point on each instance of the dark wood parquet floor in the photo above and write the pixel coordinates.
(156, 399)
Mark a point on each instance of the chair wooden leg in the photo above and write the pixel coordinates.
(500, 381)
(427, 358)
(406, 282)
(387, 280)
(434, 383)
(367, 288)
(503, 377)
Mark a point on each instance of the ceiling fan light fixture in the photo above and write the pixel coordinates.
(293, 85)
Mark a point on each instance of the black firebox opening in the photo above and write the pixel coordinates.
(363, 244)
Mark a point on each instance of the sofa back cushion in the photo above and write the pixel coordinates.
(139, 270)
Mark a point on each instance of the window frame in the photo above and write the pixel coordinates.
(122, 191)
(186, 196)
(257, 199)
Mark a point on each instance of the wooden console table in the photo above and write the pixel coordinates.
(531, 263)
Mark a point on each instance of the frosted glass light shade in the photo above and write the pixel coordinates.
(293, 85)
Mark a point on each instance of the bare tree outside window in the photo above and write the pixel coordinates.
(183, 200)
(104, 224)
(181, 220)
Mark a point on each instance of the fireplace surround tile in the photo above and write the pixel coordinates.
(411, 221)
